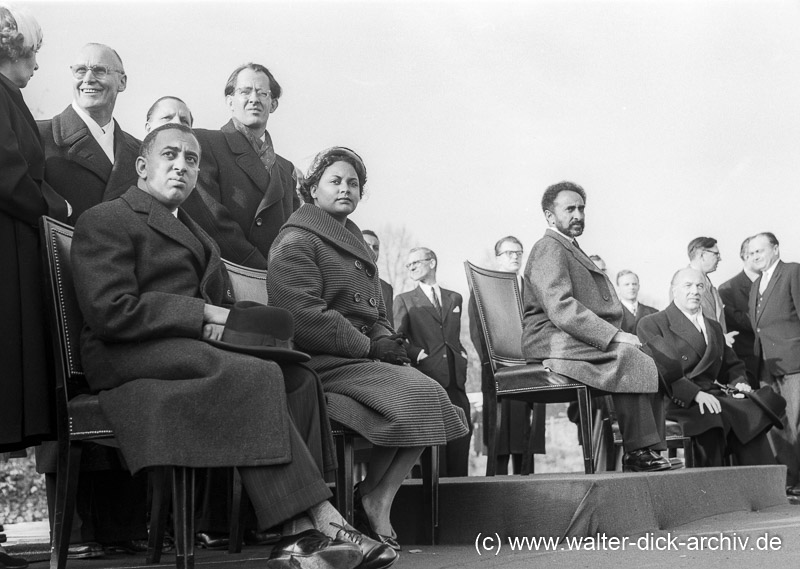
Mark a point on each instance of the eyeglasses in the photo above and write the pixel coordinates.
(715, 253)
(515, 254)
(247, 91)
(414, 264)
(99, 71)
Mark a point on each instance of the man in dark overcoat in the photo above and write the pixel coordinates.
(151, 286)
(691, 348)
(430, 318)
(571, 325)
(255, 187)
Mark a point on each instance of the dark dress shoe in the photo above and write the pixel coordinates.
(675, 463)
(8, 562)
(312, 549)
(212, 540)
(376, 555)
(87, 550)
(266, 537)
(793, 490)
(361, 521)
(134, 546)
(644, 460)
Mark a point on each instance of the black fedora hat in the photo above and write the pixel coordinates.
(773, 404)
(262, 331)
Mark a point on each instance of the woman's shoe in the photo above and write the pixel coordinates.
(361, 521)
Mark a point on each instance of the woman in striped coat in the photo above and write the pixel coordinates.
(322, 272)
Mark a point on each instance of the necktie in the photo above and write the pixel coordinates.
(436, 303)
(697, 318)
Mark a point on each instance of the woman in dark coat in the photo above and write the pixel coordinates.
(323, 273)
(26, 409)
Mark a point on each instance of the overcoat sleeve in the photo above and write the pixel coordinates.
(295, 282)
(552, 285)
(104, 263)
(679, 388)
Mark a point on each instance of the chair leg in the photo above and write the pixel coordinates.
(585, 410)
(67, 472)
(159, 512)
(430, 492)
(345, 457)
(528, 465)
(183, 496)
(688, 452)
(492, 426)
(238, 508)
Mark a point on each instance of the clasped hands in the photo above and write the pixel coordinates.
(389, 349)
(214, 319)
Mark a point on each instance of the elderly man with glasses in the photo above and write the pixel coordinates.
(430, 318)
(253, 185)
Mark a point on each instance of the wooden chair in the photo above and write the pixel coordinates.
(79, 418)
(345, 480)
(499, 304)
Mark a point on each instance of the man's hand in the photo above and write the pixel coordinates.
(215, 315)
(213, 331)
(707, 401)
(421, 356)
(729, 338)
(743, 387)
(626, 338)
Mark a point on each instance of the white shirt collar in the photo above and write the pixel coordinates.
(426, 288)
(104, 135)
(567, 237)
(631, 306)
(696, 319)
(768, 273)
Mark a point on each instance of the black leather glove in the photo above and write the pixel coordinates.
(389, 349)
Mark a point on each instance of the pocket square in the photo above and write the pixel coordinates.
(457, 309)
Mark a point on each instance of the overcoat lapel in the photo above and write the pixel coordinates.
(70, 131)
(124, 151)
(246, 157)
(579, 255)
(423, 301)
(685, 330)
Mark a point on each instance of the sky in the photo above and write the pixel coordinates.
(679, 119)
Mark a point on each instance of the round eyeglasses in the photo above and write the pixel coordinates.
(99, 71)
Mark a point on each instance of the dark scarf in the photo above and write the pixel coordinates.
(265, 150)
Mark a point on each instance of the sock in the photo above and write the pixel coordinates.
(298, 524)
(323, 515)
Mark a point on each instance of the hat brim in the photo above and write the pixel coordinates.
(766, 406)
(263, 352)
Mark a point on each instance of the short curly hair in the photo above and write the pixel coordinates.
(20, 33)
(325, 159)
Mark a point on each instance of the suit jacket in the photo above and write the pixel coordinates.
(571, 315)
(142, 278)
(776, 320)
(630, 321)
(439, 335)
(388, 300)
(735, 294)
(78, 169)
(711, 304)
(232, 174)
(688, 365)
(26, 405)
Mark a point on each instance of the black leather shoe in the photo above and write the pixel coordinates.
(8, 562)
(644, 460)
(266, 537)
(361, 521)
(376, 555)
(793, 490)
(675, 463)
(134, 546)
(88, 550)
(212, 540)
(312, 549)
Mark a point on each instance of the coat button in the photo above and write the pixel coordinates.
(359, 266)
(370, 272)
(373, 302)
(259, 221)
(357, 297)
(605, 297)
(364, 329)
(684, 358)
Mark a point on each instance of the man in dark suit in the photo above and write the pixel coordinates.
(628, 287)
(169, 293)
(374, 244)
(255, 187)
(430, 318)
(514, 415)
(775, 316)
(572, 325)
(90, 159)
(735, 295)
(690, 349)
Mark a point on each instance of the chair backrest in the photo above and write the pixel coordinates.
(499, 304)
(248, 284)
(66, 319)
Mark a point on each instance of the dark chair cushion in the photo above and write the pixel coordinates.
(533, 382)
(86, 419)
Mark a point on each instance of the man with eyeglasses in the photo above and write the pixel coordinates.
(255, 187)
(514, 415)
(704, 256)
(430, 318)
(89, 159)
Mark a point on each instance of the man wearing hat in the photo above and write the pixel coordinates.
(707, 386)
(157, 304)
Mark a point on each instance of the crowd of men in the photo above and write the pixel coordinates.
(744, 336)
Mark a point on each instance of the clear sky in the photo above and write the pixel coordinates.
(678, 118)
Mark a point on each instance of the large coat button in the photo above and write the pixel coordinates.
(373, 302)
(359, 266)
(259, 221)
(370, 272)
(364, 329)
(357, 297)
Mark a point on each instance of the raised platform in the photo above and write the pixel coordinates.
(566, 505)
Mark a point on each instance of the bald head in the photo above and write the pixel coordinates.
(687, 286)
